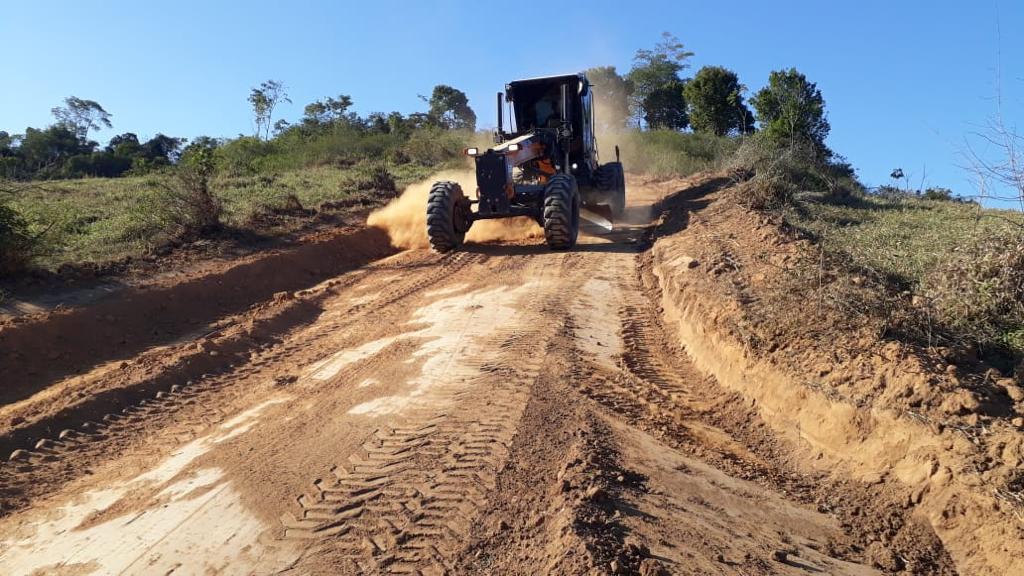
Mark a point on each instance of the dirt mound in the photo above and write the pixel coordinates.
(876, 411)
(93, 340)
(405, 218)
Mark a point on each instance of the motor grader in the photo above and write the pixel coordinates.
(545, 167)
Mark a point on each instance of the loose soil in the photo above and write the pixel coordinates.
(348, 407)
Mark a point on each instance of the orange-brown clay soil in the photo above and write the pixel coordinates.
(345, 407)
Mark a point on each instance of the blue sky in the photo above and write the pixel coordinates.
(905, 82)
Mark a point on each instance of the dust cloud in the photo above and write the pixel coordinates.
(405, 218)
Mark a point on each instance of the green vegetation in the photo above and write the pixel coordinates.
(657, 96)
(906, 238)
(451, 108)
(160, 192)
(773, 171)
(64, 150)
(790, 108)
(263, 100)
(100, 219)
(924, 266)
(715, 97)
(668, 153)
(952, 272)
(16, 245)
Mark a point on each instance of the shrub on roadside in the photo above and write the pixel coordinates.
(191, 204)
(377, 178)
(978, 295)
(775, 171)
(173, 208)
(667, 153)
(16, 244)
(432, 146)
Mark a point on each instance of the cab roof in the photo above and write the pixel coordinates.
(559, 78)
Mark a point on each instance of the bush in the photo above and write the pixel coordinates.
(16, 244)
(191, 204)
(245, 155)
(431, 146)
(378, 178)
(168, 210)
(938, 194)
(667, 153)
(778, 171)
(978, 295)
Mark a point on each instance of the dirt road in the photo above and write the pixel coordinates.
(502, 409)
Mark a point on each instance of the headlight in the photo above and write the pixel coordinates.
(472, 151)
(513, 147)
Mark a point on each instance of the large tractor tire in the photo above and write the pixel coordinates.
(561, 212)
(447, 216)
(611, 178)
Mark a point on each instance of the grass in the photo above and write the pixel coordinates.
(931, 271)
(103, 219)
(906, 239)
(944, 273)
(666, 153)
(245, 196)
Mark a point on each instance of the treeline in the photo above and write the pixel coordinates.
(654, 95)
(327, 131)
(64, 149)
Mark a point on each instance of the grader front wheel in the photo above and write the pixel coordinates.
(448, 217)
(561, 212)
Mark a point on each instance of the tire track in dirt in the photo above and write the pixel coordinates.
(407, 502)
(184, 409)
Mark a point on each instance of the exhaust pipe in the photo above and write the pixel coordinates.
(565, 120)
(501, 116)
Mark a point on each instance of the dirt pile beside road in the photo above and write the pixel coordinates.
(875, 411)
(72, 363)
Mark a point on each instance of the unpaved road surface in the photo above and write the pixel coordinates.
(500, 410)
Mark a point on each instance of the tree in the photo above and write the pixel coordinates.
(378, 122)
(44, 151)
(417, 120)
(399, 124)
(654, 69)
(126, 145)
(790, 108)
(327, 111)
(611, 97)
(715, 97)
(81, 116)
(449, 108)
(7, 144)
(263, 101)
(161, 148)
(665, 107)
